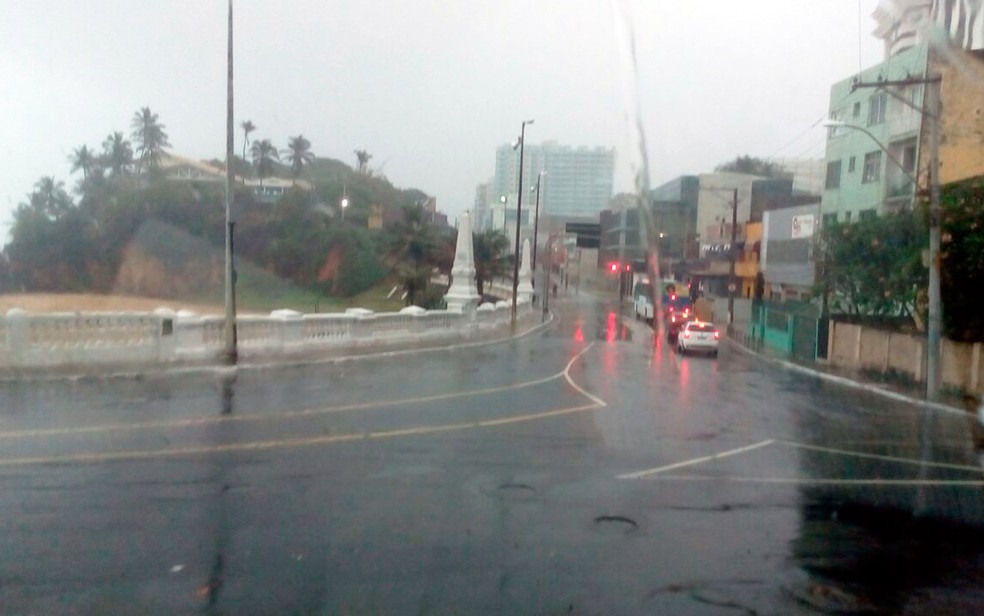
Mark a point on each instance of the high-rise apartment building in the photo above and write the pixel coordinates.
(577, 182)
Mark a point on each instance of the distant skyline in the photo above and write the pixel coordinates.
(430, 88)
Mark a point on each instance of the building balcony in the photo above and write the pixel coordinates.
(904, 124)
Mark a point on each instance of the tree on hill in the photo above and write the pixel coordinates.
(298, 154)
(148, 133)
(248, 127)
(264, 155)
(117, 154)
(753, 166)
(363, 157)
(83, 159)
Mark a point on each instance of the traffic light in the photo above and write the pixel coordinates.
(613, 267)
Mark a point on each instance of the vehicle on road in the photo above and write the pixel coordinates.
(698, 336)
(677, 306)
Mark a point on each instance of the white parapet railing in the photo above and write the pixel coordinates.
(164, 336)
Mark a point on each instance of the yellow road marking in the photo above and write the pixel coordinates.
(292, 443)
(204, 421)
(95, 457)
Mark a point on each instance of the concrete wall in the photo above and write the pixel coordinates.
(856, 347)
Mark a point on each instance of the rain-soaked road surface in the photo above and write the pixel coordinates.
(575, 470)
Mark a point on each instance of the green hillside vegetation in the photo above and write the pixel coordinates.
(125, 227)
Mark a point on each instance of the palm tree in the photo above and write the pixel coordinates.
(117, 154)
(490, 256)
(248, 127)
(298, 154)
(263, 154)
(411, 251)
(363, 158)
(49, 197)
(83, 159)
(148, 133)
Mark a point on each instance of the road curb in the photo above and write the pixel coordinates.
(848, 382)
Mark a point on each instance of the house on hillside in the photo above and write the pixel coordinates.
(269, 190)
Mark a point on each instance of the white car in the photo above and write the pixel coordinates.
(698, 336)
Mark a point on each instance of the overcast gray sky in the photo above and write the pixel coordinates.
(429, 87)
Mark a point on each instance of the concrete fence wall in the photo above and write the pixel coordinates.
(57, 339)
(860, 347)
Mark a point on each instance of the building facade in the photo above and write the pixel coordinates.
(786, 261)
(577, 183)
(872, 157)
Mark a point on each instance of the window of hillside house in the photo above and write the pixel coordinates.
(876, 108)
(872, 167)
(833, 174)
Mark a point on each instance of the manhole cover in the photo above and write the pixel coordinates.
(616, 523)
(510, 491)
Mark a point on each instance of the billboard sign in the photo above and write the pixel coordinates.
(803, 226)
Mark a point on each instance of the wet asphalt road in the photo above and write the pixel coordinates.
(574, 470)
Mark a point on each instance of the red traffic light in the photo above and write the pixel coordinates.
(628, 267)
(613, 267)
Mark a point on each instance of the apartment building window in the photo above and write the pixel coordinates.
(872, 167)
(833, 175)
(829, 219)
(876, 108)
(850, 164)
(847, 217)
(866, 215)
(857, 109)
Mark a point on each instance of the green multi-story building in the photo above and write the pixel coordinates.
(873, 140)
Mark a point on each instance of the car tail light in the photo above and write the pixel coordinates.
(717, 335)
(671, 308)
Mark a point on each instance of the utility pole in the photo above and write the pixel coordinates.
(230, 350)
(731, 268)
(536, 220)
(934, 113)
(519, 209)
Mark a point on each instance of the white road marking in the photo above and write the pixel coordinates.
(701, 460)
(874, 456)
(570, 381)
(812, 481)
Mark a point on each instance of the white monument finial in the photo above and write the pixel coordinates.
(463, 292)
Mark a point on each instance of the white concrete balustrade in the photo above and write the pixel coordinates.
(162, 337)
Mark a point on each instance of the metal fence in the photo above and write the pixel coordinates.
(793, 329)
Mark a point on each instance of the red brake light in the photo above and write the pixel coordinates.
(673, 297)
(717, 335)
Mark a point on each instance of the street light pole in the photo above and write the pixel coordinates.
(536, 219)
(731, 267)
(519, 209)
(230, 350)
(934, 325)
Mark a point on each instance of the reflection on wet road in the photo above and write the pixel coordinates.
(586, 468)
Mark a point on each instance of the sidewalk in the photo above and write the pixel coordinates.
(911, 393)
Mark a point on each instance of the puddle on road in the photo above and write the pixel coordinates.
(611, 328)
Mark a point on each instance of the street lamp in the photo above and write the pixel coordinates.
(519, 209)
(933, 329)
(344, 203)
(881, 146)
(502, 200)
